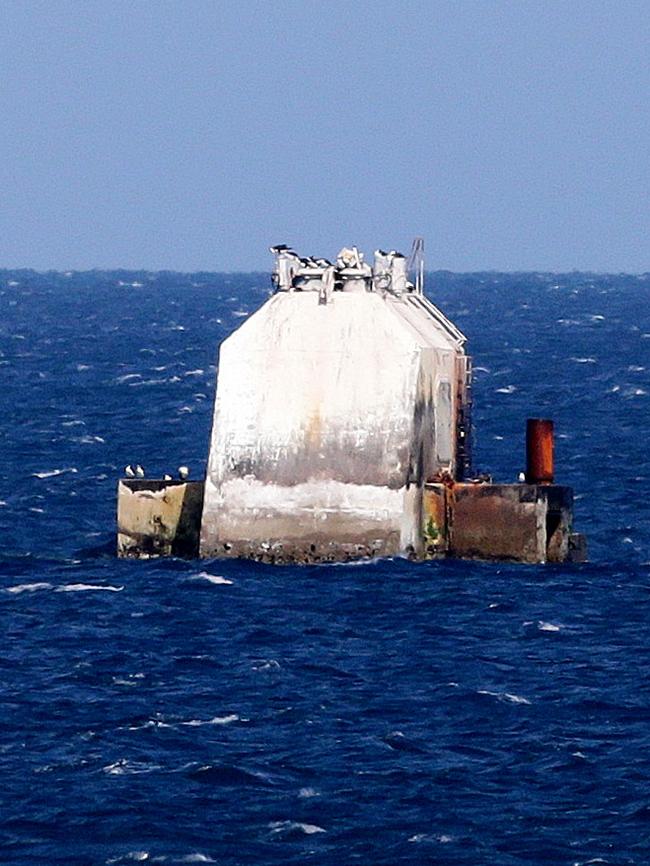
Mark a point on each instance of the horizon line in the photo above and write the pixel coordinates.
(68, 272)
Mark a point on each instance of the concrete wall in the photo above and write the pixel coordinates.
(158, 518)
(324, 428)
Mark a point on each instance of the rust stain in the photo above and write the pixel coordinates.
(314, 429)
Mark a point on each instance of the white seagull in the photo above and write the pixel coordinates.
(183, 473)
(139, 471)
(128, 471)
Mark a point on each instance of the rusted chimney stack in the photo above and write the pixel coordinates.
(539, 451)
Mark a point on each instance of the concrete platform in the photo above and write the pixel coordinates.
(530, 523)
(158, 518)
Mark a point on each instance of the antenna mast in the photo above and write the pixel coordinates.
(416, 264)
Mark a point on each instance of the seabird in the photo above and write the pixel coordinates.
(139, 471)
(128, 471)
(521, 477)
(167, 477)
(183, 473)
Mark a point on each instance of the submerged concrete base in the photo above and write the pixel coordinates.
(512, 522)
(158, 518)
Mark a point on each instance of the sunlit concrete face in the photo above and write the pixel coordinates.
(328, 419)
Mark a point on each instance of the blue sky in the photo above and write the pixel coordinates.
(191, 135)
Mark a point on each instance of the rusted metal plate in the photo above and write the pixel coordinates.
(495, 521)
(158, 518)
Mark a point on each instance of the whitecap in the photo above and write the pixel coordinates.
(53, 473)
(428, 837)
(138, 856)
(547, 626)
(307, 793)
(28, 587)
(505, 697)
(515, 699)
(130, 681)
(197, 372)
(583, 360)
(87, 587)
(266, 665)
(128, 377)
(508, 389)
(291, 826)
(150, 723)
(216, 579)
(148, 382)
(217, 720)
(124, 767)
(196, 858)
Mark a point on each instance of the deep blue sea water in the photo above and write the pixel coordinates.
(384, 713)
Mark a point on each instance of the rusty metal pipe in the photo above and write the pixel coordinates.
(539, 451)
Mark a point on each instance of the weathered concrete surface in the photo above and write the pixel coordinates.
(158, 518)
(517, 522)
(328, 419)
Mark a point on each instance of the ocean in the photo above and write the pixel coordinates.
(381, 713)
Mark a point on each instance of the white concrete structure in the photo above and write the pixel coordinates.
(336, 401)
